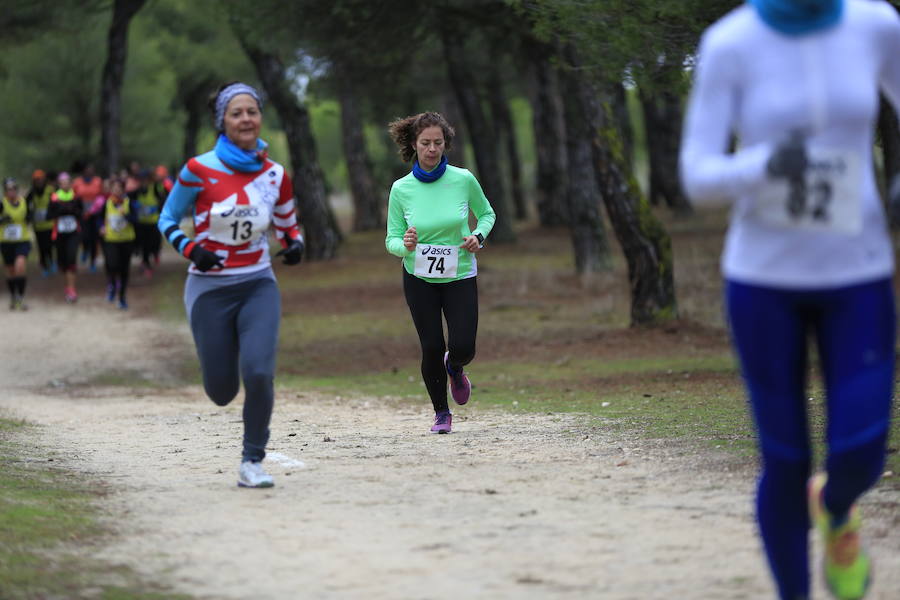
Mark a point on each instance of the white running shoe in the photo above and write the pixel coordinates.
(251, 474)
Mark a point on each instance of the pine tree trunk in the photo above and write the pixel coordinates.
(320, 229)
(644, 241)
(589, 238)
(84, 122)
(451, 111)
(111, 82)
(366, 206)
(506, 131)
(549, 136)
(195, 108)
(662, 122)
(623, 121)
(889, 132)
(489, 173)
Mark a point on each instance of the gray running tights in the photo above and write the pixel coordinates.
(236, 332)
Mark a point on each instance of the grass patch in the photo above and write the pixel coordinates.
(696, 399)
(46, 514)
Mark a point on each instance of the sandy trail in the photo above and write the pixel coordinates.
(368, 505)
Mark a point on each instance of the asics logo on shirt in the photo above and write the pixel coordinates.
(241, 212)
(428, 250)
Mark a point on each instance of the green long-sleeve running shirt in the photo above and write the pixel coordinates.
(440, 213)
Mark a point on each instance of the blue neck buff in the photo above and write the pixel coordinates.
(796, 17)
(432, 175)
(238, 158)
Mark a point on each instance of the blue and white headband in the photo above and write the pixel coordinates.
(225, 97)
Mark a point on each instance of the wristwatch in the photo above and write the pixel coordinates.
(480, 239)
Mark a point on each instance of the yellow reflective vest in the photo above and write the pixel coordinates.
(117, 226)
(15, 225)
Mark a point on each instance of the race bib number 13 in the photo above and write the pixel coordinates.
(236, 225)
(828, 198)
(439, 262)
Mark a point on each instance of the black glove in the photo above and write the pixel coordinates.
(293, 254)
(893, 203)
(789, 158)
(204, 259)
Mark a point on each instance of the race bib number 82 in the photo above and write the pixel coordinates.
(828, 198)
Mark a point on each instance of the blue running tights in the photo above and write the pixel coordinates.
(854, 328)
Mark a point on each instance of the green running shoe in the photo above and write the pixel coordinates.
(847, 566)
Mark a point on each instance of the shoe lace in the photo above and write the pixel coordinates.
(441, 419)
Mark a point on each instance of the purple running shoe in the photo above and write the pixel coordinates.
(460, 386)
(442, 422)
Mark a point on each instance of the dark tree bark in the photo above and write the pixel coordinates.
(83, 122)
(191, 130)
(889, 132)
(321, 233)
(660, 96)
(193, 96)
(366, 206)
(489, 174)
(623, 121)
(111, 82)
(506, 132)
(549, 136)
(662, 123)
(644, 241)
(589, 238)
(453, 114)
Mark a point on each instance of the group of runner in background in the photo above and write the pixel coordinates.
(73, 219)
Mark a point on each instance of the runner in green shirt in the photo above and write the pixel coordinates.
(428, 227)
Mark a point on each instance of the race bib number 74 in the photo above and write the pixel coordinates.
(436, 261)
(828, 198)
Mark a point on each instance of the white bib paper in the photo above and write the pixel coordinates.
(66, 224)
(829, 199)
(12, 232)
(117, 223)
(436, 261)
(238, 224)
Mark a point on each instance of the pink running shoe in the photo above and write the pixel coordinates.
(71, 295)
(442, 422)
(460, 386)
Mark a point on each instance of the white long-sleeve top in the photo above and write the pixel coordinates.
(760, 85)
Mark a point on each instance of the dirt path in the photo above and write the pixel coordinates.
(367, 505)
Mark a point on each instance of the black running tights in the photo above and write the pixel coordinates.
(117, 256)
(458, 300)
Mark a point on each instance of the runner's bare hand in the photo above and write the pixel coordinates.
(470, 243)
(410, 239)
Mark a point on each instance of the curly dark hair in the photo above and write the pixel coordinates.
(405, 131)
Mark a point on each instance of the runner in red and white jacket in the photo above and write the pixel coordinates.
(236, 194)
(232, 211)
